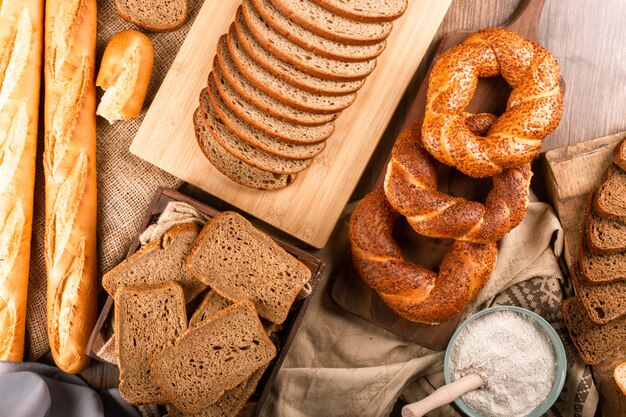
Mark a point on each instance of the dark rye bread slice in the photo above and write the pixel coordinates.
(280, 89)
(243, 150)
(146, 319)
(241, 262)
(313, 42)
(604, 235)
(366, 10)
(343, 90)
(213, 357)
(257, 118)
(256, 138)
(259, 98)
(610, 197)
(154, 15)
(232, 167)
(158, 262)
(594, 343)
(602, 302)
(597, 269)
(211, 304)
(229, 404)
(301, 58)
(332, 26)
(619, 155)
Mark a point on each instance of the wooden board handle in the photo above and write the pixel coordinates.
(443, 396)
(526, 19)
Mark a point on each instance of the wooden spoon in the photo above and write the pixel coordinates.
(443, 395)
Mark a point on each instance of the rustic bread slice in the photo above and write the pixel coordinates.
(259, 98)
(211, 304)
(620, 376)
(146, 319)
(213, 357)
(158, 262)
(224, 116)
(154, 15)
(241, 262)
(243, 150)
(619, 155)
(602, 302)
(229, 404)
(232, 167)
(343, 89)
(366, 10)
(604, 235)
(303, 59)
(280, 89)
(332, 26)
(312, 42)
(610, 197)
(594, 343)
(257, 118)
(597, 269)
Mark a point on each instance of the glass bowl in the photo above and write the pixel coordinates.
(561, 367)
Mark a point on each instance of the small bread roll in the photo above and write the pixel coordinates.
(124, 75)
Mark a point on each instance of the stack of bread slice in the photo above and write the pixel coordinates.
(281, 76)
(596, 318)
(210, 364)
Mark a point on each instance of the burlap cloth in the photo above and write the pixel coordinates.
(342, 366)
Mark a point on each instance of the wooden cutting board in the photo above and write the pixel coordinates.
(349, 291)
(311, 206)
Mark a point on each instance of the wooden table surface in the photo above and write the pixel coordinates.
(588, 39)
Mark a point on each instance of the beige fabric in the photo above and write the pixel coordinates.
(340, 365)
(125, 183)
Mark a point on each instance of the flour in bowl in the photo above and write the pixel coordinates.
(514, 357)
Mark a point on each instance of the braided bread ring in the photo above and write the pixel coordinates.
(413, 292)
(533, 110)
(411, 189)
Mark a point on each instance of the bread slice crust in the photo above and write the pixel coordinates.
(364, 11)
(140, 21)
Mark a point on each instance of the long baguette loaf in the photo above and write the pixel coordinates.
(21, 26)
(70, 173)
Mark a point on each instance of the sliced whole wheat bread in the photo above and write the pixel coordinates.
(240, 262)
(146, 319)
(261, 99)
(594, 343)
(301, 58)
(223, 115)
(610, 197)
(232, 167)
(158, 262)
(154, 15)
(213, 357)
(313, 42)
(211, 304)
(366, 10)
(278, 88)
(332, 26)
(602, 302)
(596, 269)
(290, 74)
(243, 150)
(604, 235)
(229, 404)
(257, 118)
(619, 155)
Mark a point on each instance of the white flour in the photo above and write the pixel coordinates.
(513, 356)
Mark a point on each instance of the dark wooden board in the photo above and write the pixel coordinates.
(163, 196)
(349, 291)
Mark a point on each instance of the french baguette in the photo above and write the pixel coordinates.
(70, 178)
(21, 26)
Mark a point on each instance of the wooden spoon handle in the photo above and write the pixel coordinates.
(443, 395)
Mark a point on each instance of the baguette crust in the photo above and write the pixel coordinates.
(21, 25)
(70, 174)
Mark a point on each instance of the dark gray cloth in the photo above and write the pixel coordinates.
(37, 390)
